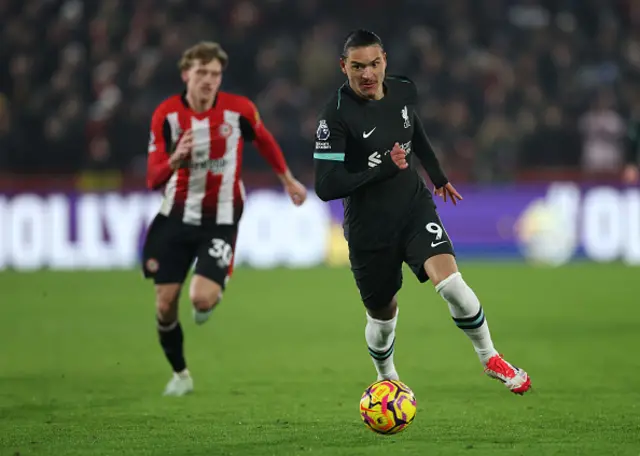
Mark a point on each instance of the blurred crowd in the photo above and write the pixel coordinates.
(505, 85)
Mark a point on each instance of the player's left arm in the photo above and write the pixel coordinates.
(254, 130)
(427, 155)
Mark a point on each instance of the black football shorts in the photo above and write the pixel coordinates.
(378, 272)
(171, 247)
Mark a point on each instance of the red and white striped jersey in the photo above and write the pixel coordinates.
(208, 186)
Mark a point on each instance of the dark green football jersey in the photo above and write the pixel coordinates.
(353, 141)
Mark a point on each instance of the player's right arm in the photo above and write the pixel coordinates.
(332, 179)
(161, 165)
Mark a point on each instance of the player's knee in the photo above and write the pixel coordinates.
(167, 302)
(440, 267)
(205, 301)
(382, 310)
(205, 298)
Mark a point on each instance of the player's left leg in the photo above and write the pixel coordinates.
(464, 306)
(468, 315)
(430, 254)
(214, 266)
(205, 294)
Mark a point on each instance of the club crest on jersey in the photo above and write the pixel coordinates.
(225, 130)
(405, 116)
(323, 132)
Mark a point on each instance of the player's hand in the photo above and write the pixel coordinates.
(183, 149)
(399, 156)
(450, 191)
(297, 192)
(631, 174)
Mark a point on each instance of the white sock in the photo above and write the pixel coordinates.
(380, 336)
(467, 314)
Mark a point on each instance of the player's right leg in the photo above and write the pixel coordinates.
(468, 314)
(378, 275)
(167, 257)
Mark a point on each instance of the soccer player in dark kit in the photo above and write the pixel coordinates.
(195, 155)
(368, 143)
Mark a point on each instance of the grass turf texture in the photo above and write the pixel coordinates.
(280, 367)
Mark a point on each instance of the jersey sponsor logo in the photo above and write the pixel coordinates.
(374, 160)
(322, 145)
(323, 133)
(405, 116)
(406, 147)
(214, 166)
(152, 142)
(367, 134)
(436, 244)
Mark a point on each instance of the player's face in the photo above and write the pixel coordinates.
(365, 68)
(203, 80)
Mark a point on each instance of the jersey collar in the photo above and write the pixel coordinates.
(183, 98)
(348, 90)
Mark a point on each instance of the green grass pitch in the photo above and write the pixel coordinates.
(280, 367)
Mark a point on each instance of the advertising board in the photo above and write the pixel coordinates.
(549, 224)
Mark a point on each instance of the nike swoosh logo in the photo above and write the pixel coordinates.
(436, 244)
(366, 135)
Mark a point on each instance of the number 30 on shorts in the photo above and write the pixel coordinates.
(221, 250)
(437, 230)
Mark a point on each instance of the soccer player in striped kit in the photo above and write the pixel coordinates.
(195, 153)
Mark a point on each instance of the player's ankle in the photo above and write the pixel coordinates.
(486, 355)
(390, 375)
(183, 373)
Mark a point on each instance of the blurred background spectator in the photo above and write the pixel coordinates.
(506, 86)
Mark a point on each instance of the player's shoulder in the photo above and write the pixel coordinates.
(402, 86)
(333, 107)
(236, 102)
(169, 104)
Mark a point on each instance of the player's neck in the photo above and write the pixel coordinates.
(199, 105)
(377, 97)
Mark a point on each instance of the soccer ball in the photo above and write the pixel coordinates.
(388, 407)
